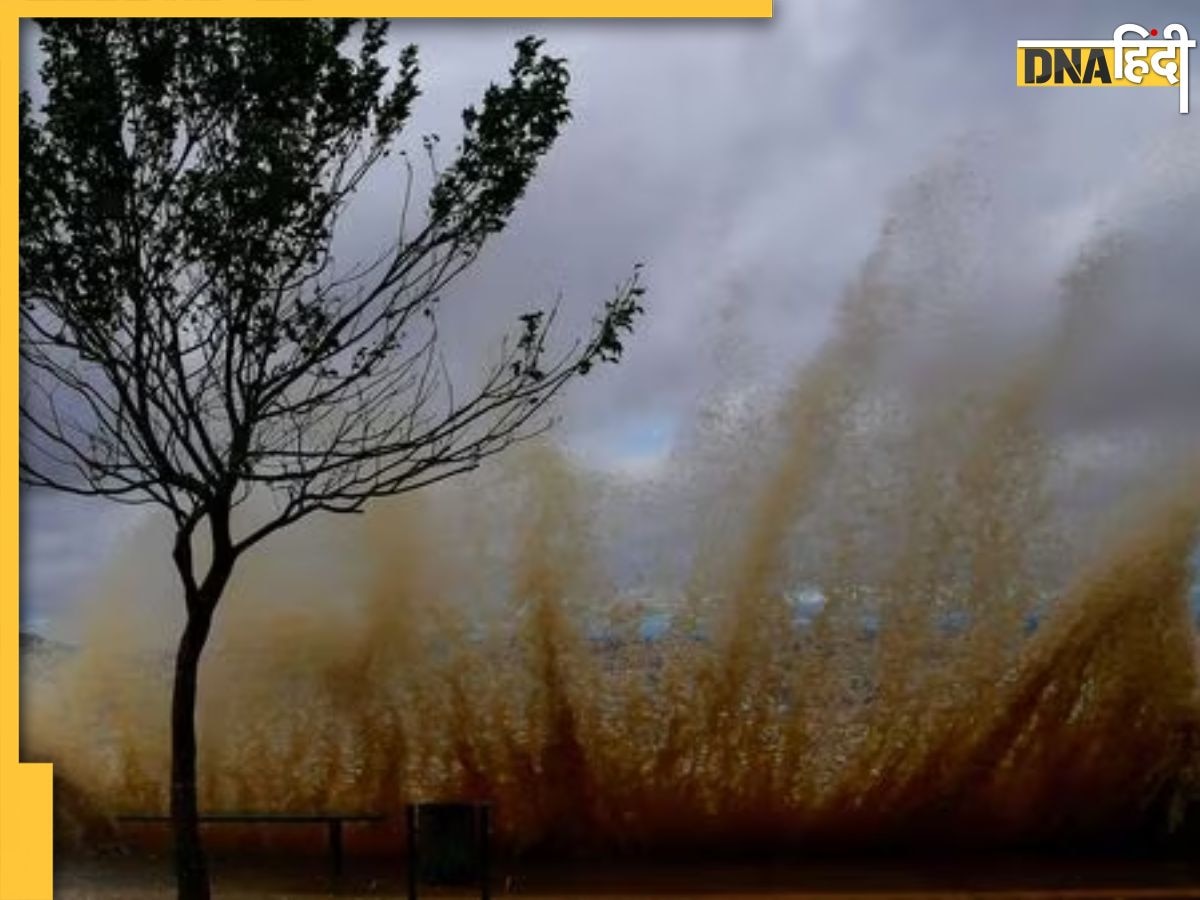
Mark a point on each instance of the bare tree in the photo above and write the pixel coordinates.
(188, 338)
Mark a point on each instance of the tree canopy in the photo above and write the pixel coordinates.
(189, 337)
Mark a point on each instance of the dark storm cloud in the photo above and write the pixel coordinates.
(750, 166)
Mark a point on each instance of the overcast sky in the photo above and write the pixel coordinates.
(750, 166)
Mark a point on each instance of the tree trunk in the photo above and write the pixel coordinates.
(191, 868)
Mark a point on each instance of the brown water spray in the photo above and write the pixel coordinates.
(467, 643)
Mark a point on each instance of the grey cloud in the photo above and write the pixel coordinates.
(751, 166)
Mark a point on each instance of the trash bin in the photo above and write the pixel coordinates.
(448, 845)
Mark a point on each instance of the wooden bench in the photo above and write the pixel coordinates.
(333, 821)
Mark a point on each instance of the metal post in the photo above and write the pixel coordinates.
(485, 840)
(410, 814)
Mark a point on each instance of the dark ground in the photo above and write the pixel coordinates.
(308, 876)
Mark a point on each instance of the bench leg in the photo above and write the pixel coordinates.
(335, 846)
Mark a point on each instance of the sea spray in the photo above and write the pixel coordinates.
(897, 625)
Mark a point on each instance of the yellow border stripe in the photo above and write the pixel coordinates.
(414, 9)
(25, 790)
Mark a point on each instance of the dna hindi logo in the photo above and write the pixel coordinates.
(1134, 57)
